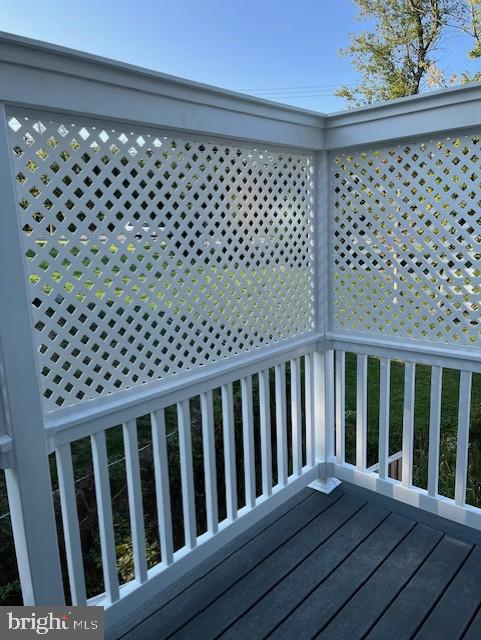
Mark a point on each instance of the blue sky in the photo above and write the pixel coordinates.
(287, 47)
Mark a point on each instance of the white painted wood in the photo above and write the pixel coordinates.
(434, 430)
(134, 490)
(73, 423)
(162, 486)
(296, 419)
(439, 505)
(186, 474)
(28, 484)
(229, 451)
(319, 406)
(361, 412)
(63, 383)
(408, 423)
(309, 410)
(281, 424)
(208, 447)
(329, 403)
(384, 404)
(464, 412)
(95, 87)
(70, 522)
(322, 247)
(248, 442)
(340, 407)
(428, 353)
(104, 510)
(435, 112)
(265, 429)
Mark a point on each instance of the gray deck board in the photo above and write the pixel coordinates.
(330, 596)
(459, 603)
(291, 591)
(370, 602)
(153, 605)
(239, 598)
(195, 599)
(350, 565)
(402, 619)
(474, 629)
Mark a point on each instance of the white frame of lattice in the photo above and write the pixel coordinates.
(383, 225)
(91, 223)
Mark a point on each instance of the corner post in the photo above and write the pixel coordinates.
(28, 481)
(324, 357)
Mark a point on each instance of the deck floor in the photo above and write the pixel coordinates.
(348, 565)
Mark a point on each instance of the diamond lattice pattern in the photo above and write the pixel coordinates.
(149, 255)
(406, 240)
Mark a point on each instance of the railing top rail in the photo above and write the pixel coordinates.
(31, 49)
(53, 78)
(436, 112)
(407, 104)
(459, 357)
(50, 77)
(73, 423)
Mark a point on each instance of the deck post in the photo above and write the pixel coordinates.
(324, 358)
(28, 481)
(324, 420)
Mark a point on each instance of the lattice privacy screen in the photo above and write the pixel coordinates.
(150, 255)
(407, 234)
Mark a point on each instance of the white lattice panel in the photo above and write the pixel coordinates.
(406, 245)
(150, 255)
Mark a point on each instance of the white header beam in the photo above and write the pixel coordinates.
(51, 78)
(436, 112)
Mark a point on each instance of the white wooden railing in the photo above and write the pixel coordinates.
(378, 480)
(165, 243)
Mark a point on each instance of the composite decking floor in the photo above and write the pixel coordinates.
(346, 565)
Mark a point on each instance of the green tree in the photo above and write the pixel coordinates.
(397, 58)
(471, 25)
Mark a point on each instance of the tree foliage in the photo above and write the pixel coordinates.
(472, 25)
(398, 56)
